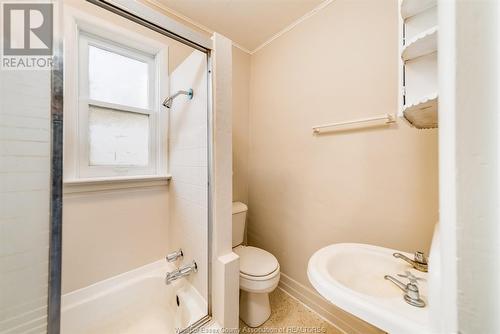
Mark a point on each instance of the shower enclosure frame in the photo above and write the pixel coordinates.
(147, 17)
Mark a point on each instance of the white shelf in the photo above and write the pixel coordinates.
(424, 113)
(410, 8)
(423, 44)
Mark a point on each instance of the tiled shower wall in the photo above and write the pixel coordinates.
(188, 167)
(24, 200)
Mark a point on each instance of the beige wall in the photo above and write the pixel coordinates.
(241, 81)
(108, 233)
(373, 185)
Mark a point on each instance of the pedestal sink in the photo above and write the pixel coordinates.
(351, 276)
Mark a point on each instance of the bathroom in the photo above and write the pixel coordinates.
(276, 166)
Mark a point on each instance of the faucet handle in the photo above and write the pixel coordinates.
(420, 257)
(419, 262)
(411, 278)
(411, 293)
(174, 255)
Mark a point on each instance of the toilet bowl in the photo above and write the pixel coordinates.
(259, 273)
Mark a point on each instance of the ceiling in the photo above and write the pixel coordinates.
(249, 23)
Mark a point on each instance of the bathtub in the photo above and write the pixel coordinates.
(134, 302)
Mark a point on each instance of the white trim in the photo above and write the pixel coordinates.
(192, 22)
(81, 26)
(295, 23)
(401, 63)
(86, 104)
(242, 48)
(119, 107)
(444, 314)
(224, 283)
(102, 180)
(340, 319)
(92, 185)
(181, 16)
(469, 167)
(208, 30)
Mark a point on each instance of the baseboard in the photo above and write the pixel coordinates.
(340, 319)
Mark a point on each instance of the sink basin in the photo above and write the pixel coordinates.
(351, 276)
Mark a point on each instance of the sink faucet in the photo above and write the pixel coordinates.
(181, 272)
(412, 295)
(419, 262)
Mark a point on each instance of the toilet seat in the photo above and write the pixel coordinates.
(259, 275)
(256, 264)
(259, 269)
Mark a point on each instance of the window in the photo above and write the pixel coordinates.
(118, 132)
(118, 138)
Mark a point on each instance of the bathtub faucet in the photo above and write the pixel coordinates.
(181, 272)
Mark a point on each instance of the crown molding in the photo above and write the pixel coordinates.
(192, 22)
(295, 23)
(210, 31)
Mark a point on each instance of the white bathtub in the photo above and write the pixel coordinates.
(137, 301)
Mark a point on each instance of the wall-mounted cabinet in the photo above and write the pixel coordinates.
(418, 63)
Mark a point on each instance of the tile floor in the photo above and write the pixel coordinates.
(290, 316)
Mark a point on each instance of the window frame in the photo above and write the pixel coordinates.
(85, 103)
(87, 31)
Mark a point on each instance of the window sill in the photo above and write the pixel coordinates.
(114, 183)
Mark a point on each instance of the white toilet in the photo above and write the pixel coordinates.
(259, 273)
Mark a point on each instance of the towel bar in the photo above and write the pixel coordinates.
(387, 117)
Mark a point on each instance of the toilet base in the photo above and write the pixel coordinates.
(254, 308)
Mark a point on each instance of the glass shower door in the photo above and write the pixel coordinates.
(109, 233)
(135, 176)
(24, 199)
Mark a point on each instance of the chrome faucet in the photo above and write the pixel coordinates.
(175, 255)
(419, 262)
(412, 295)
(181, 272)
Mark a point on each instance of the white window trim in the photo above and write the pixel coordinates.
(83, 28)
(85, 103)
(110, 184)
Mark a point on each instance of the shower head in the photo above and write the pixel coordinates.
(168, 101)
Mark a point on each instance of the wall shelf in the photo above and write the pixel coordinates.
(418, 72)
(423, 44)
(411, 8)
(424, 113)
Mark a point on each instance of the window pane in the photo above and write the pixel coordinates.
(117, 79)
(118, 138)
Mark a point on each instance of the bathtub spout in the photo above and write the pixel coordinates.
(181, 272)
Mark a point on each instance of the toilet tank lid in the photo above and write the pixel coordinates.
(239, 207)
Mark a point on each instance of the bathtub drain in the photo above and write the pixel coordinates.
(177, 300)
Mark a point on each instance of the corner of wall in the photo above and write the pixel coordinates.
(225, 264)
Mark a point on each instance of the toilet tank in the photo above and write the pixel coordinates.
(239, 219)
